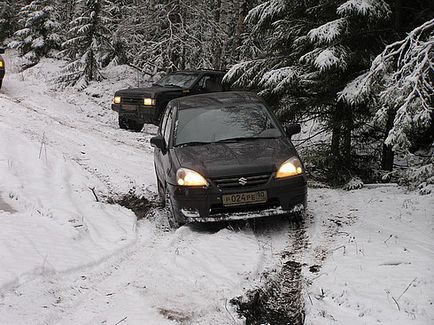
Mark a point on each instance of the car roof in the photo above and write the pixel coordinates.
(217, 98)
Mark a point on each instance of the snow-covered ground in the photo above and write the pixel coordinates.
(367, 256)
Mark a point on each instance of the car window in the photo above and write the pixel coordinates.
(168, 128)
(178, 79)
(164, 120)
(220, 123)
(202, 81)
(210, 83)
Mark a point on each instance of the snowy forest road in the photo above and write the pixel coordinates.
(360, 257)
(186, 276)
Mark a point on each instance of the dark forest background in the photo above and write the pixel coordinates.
(359, 71)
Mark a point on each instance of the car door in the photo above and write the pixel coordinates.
(162, 157)
(158, 153)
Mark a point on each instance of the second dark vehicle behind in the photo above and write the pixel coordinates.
(139, 106)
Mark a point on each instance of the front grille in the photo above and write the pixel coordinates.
(242, 181)
(132, 101)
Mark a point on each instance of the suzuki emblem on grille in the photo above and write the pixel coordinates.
(242, 181)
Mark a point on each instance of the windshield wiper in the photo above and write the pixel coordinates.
(193, 143)
(230, 140)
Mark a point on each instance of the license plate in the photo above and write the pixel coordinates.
(245, 198)
(129, 107)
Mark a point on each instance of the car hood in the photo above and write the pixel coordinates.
(235, 159)
(146, 92)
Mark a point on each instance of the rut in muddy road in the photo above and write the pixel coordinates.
(279, 298)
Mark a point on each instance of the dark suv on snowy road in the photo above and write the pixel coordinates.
(224, 156)
(2, 67)
(137, 106)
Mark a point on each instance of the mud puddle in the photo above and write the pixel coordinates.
(139, 204)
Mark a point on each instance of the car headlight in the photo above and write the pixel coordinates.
(117, 100)
(149, 102)
(291, 167)
(188, 177)
(2, 64)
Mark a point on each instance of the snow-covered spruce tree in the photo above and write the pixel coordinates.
(8, 19)
(177, 34)
(38, 33)
(88, 41)
(305, 52)
(65, 10)
(399, 89)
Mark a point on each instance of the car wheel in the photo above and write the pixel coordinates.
(160, 190)
(123, 123)
(136, 126)
(172, 217)
(1, 82)
(298, 215)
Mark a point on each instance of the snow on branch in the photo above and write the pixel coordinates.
(401, 78)
(371, 8)
(328, 32)
(278, 80)
(328, 58)
(266, 12)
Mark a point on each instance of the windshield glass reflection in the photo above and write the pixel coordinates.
(223, 124)
(182, 80)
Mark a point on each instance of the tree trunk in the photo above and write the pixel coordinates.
(347, 130)
(388, 154)
(243, 10)
(336, 131)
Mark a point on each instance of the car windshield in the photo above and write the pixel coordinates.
(224, 124)
(182, 80)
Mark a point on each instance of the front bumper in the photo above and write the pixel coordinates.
(2, 73)
(139, 113)
(205, 204)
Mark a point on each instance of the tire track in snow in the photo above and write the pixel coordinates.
(278, 299)
(77, 140)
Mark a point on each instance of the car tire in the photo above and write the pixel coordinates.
(299, 215)
(1, 83)
(123, 123)
(136, 126)
(160, 189)
(172, 216)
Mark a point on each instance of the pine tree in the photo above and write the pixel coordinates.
(38, 35)
(304, 53)
(88, 43)
(8, 12)
(399, 88)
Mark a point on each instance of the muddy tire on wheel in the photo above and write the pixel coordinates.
(136, 126)
(161, 192)
(174, 222)
(123, 123)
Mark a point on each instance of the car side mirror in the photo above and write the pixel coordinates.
(292, 129)
(2, 50)
(158, 142)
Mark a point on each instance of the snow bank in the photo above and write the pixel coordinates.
(58, 225)
(380, 268)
